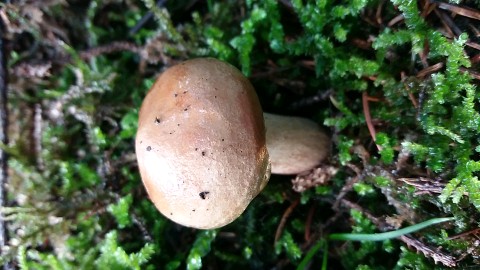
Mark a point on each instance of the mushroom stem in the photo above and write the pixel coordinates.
(295, 144)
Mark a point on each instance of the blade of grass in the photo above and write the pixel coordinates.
(387, 235)
(322, 244)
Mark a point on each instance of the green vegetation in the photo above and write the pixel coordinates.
(394, 88)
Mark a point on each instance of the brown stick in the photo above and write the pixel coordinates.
(368, 118)
(460, 10)
(283, 221)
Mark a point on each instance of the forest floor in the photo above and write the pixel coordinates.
(393, 83)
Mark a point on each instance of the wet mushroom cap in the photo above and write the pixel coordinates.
(295, 144)
(200, 143)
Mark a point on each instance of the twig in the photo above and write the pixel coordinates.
(475, 30)
(321, 95)
(368, 118)
(347, 187)
(4, 141)
(436, 255)
(463, 11)
(475, 59)
(410, 94)
(423, 54)
(378, 13)
(449, 21)
(395, 20)
(427, 9)
(147, 237)
(116, 46)
(473, 45)
(380, 225)
(285, 216)
(424, 185)
(145, 19)
(33, 69)
(429, 70)
(470, 232)
(474, 74)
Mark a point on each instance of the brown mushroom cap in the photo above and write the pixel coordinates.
(294, 144)
(200, 143)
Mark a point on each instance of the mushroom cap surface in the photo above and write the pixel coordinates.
(294, 144)
(200, 143)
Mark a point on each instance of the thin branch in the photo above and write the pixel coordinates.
(115, 46)
(368, 118)
(347, 187)
(4, 141)
(430, 70)
(460, 10)
(283, 221)
(429, 252)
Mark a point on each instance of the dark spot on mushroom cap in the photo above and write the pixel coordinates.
(175, 95)
(203, 194)
(149, 148)
(204, 153)
(157, 120)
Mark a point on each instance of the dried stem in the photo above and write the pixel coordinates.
(4, 141)
(283, 221)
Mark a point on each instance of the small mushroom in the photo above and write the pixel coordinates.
(294, 144)
(200, 144)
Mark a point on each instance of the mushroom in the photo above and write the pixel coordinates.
(294, 144)
(201, 143)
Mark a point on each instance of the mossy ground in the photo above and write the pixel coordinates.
(395, 83)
